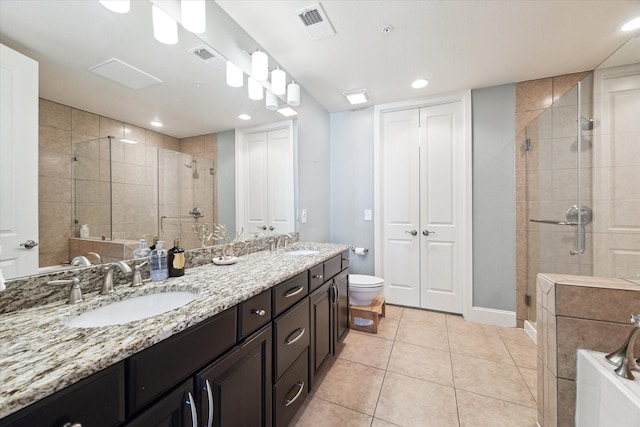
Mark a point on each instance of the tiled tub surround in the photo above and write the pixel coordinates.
(576, 312)
(40, 355)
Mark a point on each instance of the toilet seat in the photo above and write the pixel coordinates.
(364, 281)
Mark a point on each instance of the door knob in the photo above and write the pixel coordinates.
(271, 228)
(412, 232)
(427, 232)
(29, 244)
(262, 227)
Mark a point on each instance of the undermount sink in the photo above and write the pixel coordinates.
(131, 309)
(300, 252)
(603, 398)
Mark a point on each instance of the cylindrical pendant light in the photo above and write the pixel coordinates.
(278, 82)
(193, 15)
(255, 89)
(118, 6)
(259, 66)
(235, 76)
(293, 94)
(271, 101)
(165, 28)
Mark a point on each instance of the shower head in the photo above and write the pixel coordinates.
(193, 164)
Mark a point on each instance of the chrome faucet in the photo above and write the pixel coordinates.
(107, 282)
(283, 238)
(94, 255)
(623, 357)
(81, 261)
(75, 294)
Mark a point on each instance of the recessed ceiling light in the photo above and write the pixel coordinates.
(287, 111)
(129, 141)
(631, 24)
(156, 124)
(419, 84)
(244, 117)
(359, 96)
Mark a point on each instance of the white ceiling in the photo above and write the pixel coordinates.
(455, 44)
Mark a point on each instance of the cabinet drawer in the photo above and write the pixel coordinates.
(332, 266)
(345, 259)
(316, 277)
(290, 292)
(254, 313)
(97, 400)
(291, 336)
(173, 410)
(162, 366)
(290, 392)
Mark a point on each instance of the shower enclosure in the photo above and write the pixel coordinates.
(127, 191)
(583, 181)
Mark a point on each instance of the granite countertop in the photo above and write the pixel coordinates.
(40, 354)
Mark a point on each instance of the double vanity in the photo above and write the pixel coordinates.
(245, 350)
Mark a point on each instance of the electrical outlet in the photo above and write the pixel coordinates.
(368, 215)
(304, 216)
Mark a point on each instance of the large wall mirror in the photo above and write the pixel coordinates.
(88, 174)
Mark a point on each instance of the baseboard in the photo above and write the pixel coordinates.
(531, 330)
(491, 316)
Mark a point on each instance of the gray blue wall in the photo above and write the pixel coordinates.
(226, 180)
(352, 184)
(494, 239)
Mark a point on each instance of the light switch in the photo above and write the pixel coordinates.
(367, 215)
(304, 216)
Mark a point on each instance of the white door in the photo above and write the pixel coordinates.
(422, 166)
(265, 180)
(18, 163)
(441, 192)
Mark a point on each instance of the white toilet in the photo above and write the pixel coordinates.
(363, 288)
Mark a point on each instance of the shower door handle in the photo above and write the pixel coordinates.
(552, 222)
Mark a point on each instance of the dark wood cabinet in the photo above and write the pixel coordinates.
(176, 409)
(291, 390)
(254, 313)
(290, 292)
(290, 337)
(97, 400)
(236, 389)
(321, 308)
(341, 323)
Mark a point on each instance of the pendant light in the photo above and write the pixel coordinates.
(118, 6)
(259, 66)
(235, 76)
(278, 82)
(193, 15)
(255, 89)
(271, 101)
(293, 94)
(165, 28)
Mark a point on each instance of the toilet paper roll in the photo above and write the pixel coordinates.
(359, 251)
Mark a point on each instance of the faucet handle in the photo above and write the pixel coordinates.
(137, 276)
(75, 294)
(635, 319)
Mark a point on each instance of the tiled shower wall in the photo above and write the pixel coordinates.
(532, 99)
(60, 127)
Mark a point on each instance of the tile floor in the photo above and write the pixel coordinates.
(427, 369)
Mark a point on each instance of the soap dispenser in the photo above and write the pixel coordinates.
(84, 231)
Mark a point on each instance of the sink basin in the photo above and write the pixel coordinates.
(603, 398)
(300, 252)
(128, 310)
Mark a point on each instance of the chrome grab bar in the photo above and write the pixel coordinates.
(552, 222)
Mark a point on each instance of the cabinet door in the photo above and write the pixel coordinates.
(342, 307)
(321, 326)
(177, 409)
(95, 401)
(236, 390)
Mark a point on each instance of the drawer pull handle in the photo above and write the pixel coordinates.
(294, 291)
(299, 332)
(317, 276)
(300, 385)
(72, 425)
(194, 415)
(258, 311)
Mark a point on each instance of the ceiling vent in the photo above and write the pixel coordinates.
(315, 21)
(124, 74)
(209, 56)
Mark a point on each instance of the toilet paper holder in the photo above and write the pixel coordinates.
(354, 249)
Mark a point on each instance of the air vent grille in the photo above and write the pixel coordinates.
(310, 17)
(209, 56)
(203, 54)
(315, 22)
